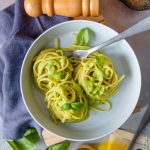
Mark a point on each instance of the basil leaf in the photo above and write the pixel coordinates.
(99, 61)
(83, 37)
(27, 142)
(66, 106)
(60, 146)
(86, 36)
(76, 105)
(31, 135)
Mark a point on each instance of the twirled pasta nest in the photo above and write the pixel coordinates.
(97, 76)
(51, 66)
(66, 102)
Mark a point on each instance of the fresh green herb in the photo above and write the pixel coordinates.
(76, 105)
(99, 61)
(30, 137)
(83, 37)
(66, 106)
(58, 75)
(60, 146)
(27, 142)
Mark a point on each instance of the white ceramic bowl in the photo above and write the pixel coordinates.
(123, 102)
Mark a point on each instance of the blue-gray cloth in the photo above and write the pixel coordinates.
(17, 32)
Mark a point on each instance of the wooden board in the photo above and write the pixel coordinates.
(99, 19)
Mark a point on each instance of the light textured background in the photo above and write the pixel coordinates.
(5, 3)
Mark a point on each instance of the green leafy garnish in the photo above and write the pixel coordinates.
(60, 146)
(99, 61)
(76, 105)
(54, 74)
(30, 137)
(66, 106)
(27, 142)
(83, 37)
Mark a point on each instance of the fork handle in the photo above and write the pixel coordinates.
(139, 27)
(144, 121)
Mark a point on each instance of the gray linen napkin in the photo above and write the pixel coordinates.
(17, 32)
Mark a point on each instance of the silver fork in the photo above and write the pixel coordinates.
(144, 121)
(139, 27)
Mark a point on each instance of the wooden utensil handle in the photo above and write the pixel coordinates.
(69, 8)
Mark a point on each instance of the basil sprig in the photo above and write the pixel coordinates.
(83, 37)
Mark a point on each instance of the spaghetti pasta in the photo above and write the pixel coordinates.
(97, 76)
(64, 98)
(71, 87)
(51, 66)
(66, 102)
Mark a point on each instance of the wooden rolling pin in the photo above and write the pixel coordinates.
(69, 8)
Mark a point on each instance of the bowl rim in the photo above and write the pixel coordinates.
(34, 118)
